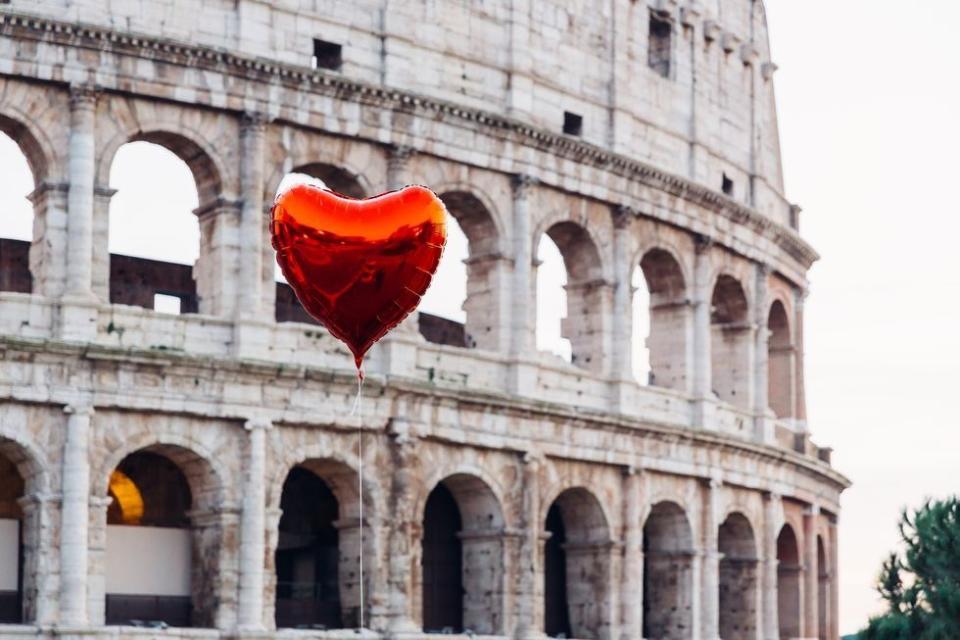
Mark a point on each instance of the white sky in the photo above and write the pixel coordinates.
(869, 107)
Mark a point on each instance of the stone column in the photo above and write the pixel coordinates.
(253, 528)
(811, 574)
(800, 410)
(398, 161)
(621, 352)
(763, 426)
(102, 195)
(702, 298)
(215, 269)
(81, 166)
(523, 289)
(631, 581)
(97, 561)
(252, 149)
(48, 252)
(529, 615)
(399, 551)
(710, 584)
(772, 521)
(74, 518)
(39, 585)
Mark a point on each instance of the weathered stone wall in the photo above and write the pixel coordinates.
(646, 478)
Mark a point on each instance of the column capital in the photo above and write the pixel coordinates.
(702, 242)
(79, 409)
(812, 511)
(624, 215)
(521, 183)
(83, 95)
(254, 120)
(255, 424)
(773, 496)
(533, 459)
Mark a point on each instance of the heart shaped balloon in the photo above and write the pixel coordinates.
(358, 266)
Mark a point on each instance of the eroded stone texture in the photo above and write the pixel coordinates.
(693, 506)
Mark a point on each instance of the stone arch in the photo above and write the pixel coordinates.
(788, 582)
(29, 267)
(670, 318)
(738, 578)
(486, 273)
(668, 580)
(588, 291)
(731, 341)
(132, 281)
(23, 479)
(463, 530)
(578, 545)
(325, 496)
(780, 361)
(337, 178)
(193, 542)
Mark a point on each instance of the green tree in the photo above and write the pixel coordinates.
(921, 586)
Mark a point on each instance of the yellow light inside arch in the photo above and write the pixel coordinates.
(127, 496)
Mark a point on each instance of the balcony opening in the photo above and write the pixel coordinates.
(16, 223)
(572, 123)
(668, 575)
(730, 342)
(659, 44)
(11, 542)
(551, 300)
(442, 318)
(660, 319)
(326, 55)
(154, 234)
(788, 583)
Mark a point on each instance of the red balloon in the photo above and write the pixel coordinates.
(358, 266)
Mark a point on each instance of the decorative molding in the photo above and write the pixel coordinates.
(321, 82)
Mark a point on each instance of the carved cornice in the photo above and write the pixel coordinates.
(321, 82)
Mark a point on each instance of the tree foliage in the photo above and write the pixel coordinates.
(921, 586)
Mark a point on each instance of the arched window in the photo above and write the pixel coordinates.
(162, 546)
(16, 219)
(467, 288)
(661, 314)
(154, 235)
(738, 579)
(307, 556)
(780, 362)
(11, 543)
(823, 591)
(730, 342)
(461, 570)
(579, 314)
(667, 573)
(577, 547)
(788, 583)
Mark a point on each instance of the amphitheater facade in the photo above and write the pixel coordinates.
(199, 471)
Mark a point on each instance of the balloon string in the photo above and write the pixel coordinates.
(358, 411)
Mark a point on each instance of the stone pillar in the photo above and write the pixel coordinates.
(710, 584)
(772, 521)
(811, 574)
(520, 86)
(97, 561)
(763, 426)
(252, 529)
(523, 289)
(800, 410)
(250, 268)
(631, 581)
(102, 195)
(215, 269)
(398, 162)
(48, 252)
(399, 551)
(74, 518)
(702, 298)
(81, 167)
(39, 584)
(833, 628)
(529, 614)
(621, 352)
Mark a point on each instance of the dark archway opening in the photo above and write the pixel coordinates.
(442, 563)
(149, 546)
(307, 556)
(823, 591)
(788, 583)
(738, 579)
(11, 543)
(556, 609)
(667, 573)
